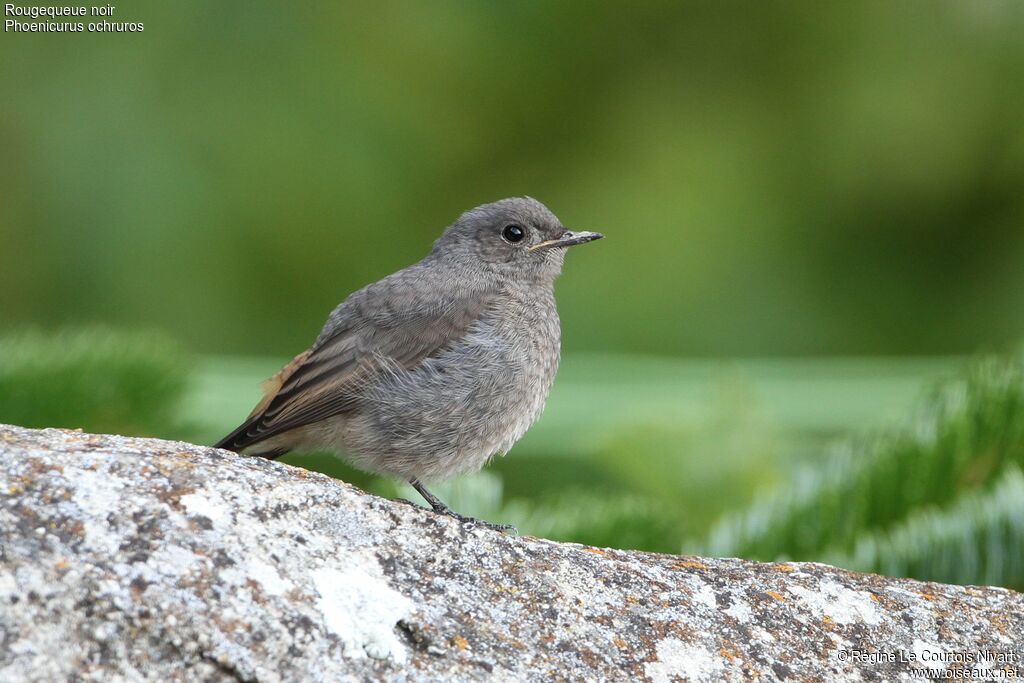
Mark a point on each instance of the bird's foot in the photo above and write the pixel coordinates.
(468, 521)
(474, 522)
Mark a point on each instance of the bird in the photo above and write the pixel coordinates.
(435, 369)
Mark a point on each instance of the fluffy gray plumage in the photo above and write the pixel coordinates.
(436, 368)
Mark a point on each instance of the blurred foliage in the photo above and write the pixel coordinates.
(977, 539)
(96, 379)
(774, 178)
(937, 499)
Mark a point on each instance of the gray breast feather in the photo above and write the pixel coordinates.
(458, 408)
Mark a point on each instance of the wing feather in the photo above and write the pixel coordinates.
(358, 344)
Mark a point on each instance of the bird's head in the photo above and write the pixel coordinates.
(517, 237)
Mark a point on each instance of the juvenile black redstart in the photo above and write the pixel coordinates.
(435, 369)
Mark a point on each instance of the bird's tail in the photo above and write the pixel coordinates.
(272, 454)
(239, 439)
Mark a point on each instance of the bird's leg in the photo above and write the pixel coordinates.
(442, 509)
(434, 501)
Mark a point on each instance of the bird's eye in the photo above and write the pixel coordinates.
(513, 234)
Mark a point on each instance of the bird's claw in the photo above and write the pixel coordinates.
(472, 522)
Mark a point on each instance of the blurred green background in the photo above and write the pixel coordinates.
(814, 212)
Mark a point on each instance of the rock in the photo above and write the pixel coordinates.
(139, 559)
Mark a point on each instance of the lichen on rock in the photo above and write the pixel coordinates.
(139, 559)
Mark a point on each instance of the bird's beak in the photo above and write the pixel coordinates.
(568, 239)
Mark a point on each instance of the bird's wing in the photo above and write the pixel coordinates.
(368, 334)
